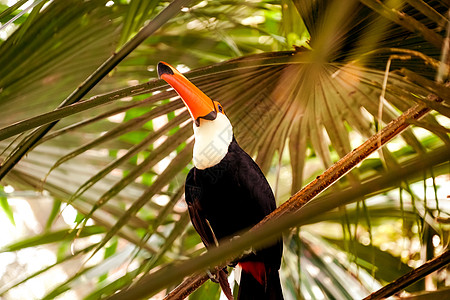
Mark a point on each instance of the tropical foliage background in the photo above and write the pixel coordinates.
(97, 201)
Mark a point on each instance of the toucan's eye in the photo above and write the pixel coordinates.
(220, 108)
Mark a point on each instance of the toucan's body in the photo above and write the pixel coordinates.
(234, 195)
(226, 191)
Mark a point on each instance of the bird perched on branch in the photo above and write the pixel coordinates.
(226, 192)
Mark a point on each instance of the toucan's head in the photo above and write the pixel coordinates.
(199, 105)
(212, 130)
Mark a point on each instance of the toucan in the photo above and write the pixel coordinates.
(226, 192)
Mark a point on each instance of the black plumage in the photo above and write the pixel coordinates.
(227, 198)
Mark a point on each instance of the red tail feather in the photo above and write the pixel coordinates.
(256, 268)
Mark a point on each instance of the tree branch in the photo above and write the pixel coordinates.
(411, 277)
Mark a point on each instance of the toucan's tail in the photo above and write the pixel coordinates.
(251, 289)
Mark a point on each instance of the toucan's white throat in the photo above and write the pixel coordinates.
(212, 139)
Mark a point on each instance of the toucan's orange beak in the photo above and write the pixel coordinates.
(198, 104)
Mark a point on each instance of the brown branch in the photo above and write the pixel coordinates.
(348, 162)
(318, 185)
(187, 287)
(411, 277)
